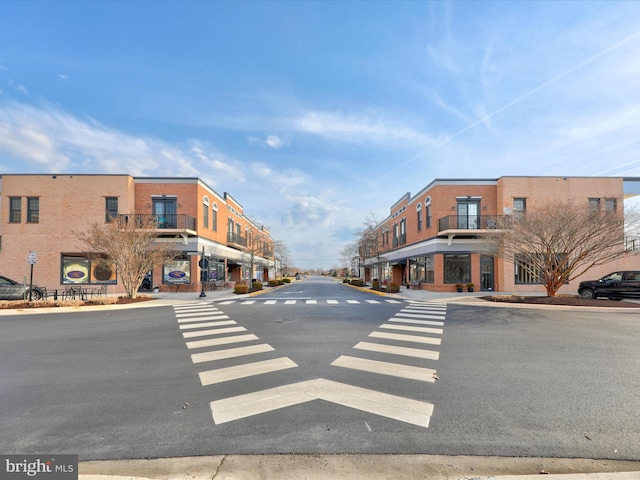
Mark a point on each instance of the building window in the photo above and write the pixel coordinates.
(468, 214)
(403, 231)
(165, 210)
(594, 204)
(421, 269)
(457, 269)
(526, 271)
(610, 204)
(78, 269)
(15, 209)
(428, 216)
(33, 209)
(419, 220)
(205, 215)
(214, 217)
(177, 271)
(111, 208)
(519, 207)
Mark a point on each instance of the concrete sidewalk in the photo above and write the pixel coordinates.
(359, 467)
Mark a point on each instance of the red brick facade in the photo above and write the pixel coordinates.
(68, 204)
(431, 240)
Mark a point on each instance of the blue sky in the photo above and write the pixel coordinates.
(315, 115)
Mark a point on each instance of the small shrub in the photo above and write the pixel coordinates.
(346, 280)
(354, 282)
(375, 285)
(286, 280)
(361, 283)
(241, 289)
(394, 288)
(274, 283)
(256, 285)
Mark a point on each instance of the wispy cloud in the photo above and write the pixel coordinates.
(275, 142)
(18, 87)
(359, 128)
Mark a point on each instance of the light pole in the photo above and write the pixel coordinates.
(203, 269)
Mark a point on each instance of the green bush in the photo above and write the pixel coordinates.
(240, 289)
(286, 280)
(274, 283)
(256, 286)
(346, 280)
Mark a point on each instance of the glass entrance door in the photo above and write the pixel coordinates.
(486, 273)
(468, 215)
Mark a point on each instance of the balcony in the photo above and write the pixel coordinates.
(237, 241)
(169, 224)
(467, 225)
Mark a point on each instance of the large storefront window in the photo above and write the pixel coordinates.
(421, 269)
(78, 269)
(526, 271)
(457, 268)
(177, 271)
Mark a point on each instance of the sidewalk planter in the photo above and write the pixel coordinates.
(458, 287)
(470, 287)
(375, 285)
(241, 289)
(394, 288)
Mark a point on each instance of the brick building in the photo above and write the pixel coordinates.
(45, 213)
(432, 240)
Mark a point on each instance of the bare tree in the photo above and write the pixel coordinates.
(128, 246)
(557, 242)
(281, 255)
(349, 256)
(371, 243)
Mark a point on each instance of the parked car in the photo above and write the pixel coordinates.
(616, 285)
(12, 290)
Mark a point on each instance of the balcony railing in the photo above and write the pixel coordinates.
(166, 222)
(468, 222)
(236, 239)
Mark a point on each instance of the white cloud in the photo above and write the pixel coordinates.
(19, 88)
(272, 141)
(359, 128)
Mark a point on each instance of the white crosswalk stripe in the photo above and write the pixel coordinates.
(205, 324)
(230, 353)
(217, 331)
(236, 372)
(386, 368)
(379, 403)
(393, 350)
(212, 342)
(200, 319)
(310, 301)
(437, 331)
(209, 329)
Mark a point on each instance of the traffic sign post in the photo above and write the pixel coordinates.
(32, 261)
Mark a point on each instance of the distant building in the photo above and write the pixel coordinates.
(45, 213)
(432, 240)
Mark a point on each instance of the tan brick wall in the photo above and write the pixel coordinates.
(68, 205)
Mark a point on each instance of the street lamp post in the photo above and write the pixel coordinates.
(202, 269)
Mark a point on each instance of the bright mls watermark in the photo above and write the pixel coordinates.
(39, 467)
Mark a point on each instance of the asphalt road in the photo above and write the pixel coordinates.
(134, 384)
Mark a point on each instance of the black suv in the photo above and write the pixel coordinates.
(615, 286)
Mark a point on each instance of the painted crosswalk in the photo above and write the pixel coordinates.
(213, 336)
(306, 301)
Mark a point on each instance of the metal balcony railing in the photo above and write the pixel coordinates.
(165, 222)
(236, 239)
(468, 222)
